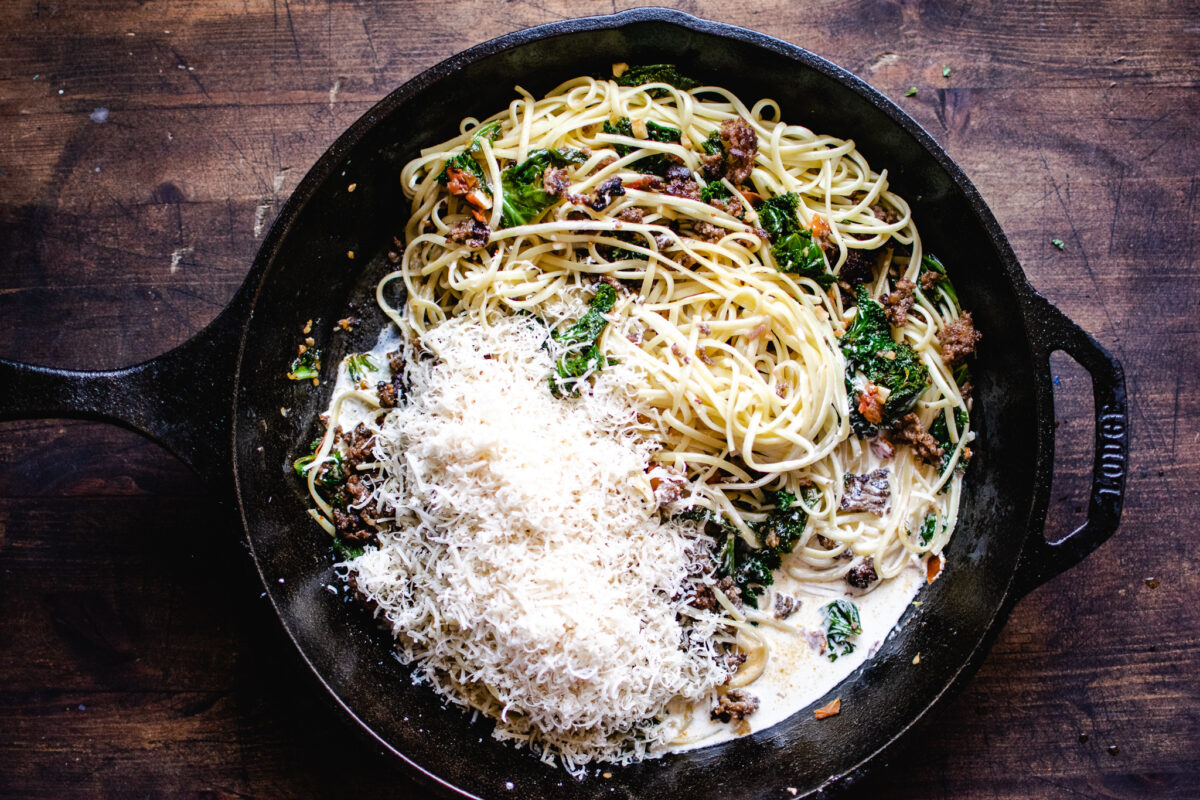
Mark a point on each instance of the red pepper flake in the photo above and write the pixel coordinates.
(833, 708)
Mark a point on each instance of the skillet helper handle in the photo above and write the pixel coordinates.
(1054, 331)
(182, 399)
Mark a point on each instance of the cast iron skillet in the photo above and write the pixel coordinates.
(220, 402)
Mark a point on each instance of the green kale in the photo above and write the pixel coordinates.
(794, 249)
(867, 346)
(931, 263)
(346, 551)
(962, 375)
(654, 164)
(841, 623)
(656, 73)
(466, 160)
(940, 431)
(525, 196)
(624, 127)
(751, 568)
(777, 216)
(306, 366)
(582, 340)
(715, 191)
(331, 472)
(663, 133)
(359, 365)
(928, 529)
(713, 144)
(798, 254)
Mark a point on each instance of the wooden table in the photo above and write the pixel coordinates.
(144, 149)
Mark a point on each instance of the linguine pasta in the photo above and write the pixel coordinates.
(733, 366)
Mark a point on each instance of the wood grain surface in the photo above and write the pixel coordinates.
(144, 149)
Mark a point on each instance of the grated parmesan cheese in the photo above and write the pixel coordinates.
(526, 573)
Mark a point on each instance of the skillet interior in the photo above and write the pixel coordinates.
(307, 275)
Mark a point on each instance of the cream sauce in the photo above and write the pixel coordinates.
(796, 674)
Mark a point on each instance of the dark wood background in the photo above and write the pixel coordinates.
(136, 657)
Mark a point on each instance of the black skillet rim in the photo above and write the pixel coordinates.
(332, 159)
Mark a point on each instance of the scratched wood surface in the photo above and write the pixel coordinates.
(144, 149)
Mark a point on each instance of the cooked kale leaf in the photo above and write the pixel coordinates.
(931, 263)
(582, 341)
(466, 160)
(715, 191)
(793, 247)
(345, 551)
(778, 535)
(939, 430)
(656, 73)
(928, 529)
(330, 473)
(841, 623)
(777, 216)
(306, 366)
(713, 144)
(869, 348)
(654, 164)
(798, 254)
(525, 196)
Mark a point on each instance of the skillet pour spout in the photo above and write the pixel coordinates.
(221, 403)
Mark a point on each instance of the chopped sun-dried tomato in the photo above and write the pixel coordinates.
(869, 404)
(832, 708)
(459, 181)
(933, 568)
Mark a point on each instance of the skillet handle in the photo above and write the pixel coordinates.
(1053, 331)
(182, 399)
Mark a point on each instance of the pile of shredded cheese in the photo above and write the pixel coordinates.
(527, 573)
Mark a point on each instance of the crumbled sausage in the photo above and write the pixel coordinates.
(885, 213)
(667, 484)
(732, 660)
(930, 280)
(387, 394)
(471, 232)
(395, 361)
(705, 600)
(707, 232)
(680, 183)
(785, 606)
(731, 205)
(712, 166)
(868, 492)
(554, 181)
(739, 144)
(361, 443)
(897, 304)
(958, 339)
(862, 574)
(736, 704)
(909, 430)
(633, 214)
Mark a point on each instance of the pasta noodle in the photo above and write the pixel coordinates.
(733, 361)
